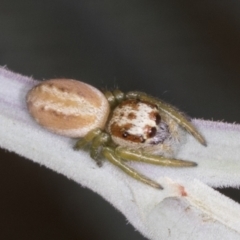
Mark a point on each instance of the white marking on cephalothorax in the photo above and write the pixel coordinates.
(138, 123)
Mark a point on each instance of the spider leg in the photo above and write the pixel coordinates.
(110, 154)
(114, 97)
(169, 110)
(99, 141)
(140, 156)
(82, 142)
(97, 138)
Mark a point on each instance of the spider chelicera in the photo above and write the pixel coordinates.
(120, 127)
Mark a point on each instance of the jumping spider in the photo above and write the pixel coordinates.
(120, 127)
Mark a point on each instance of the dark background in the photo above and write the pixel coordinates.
(185, 52)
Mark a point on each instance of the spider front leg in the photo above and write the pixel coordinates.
(140, 156)
(169, 110)
(112, 156)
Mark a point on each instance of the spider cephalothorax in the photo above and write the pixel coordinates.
(140, 125)
(137, 122)
(132, 126)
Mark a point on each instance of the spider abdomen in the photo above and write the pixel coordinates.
(68, 107)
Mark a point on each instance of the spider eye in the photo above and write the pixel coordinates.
(125, 134)
(142, 140)
(152, 132)
(158, 119)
